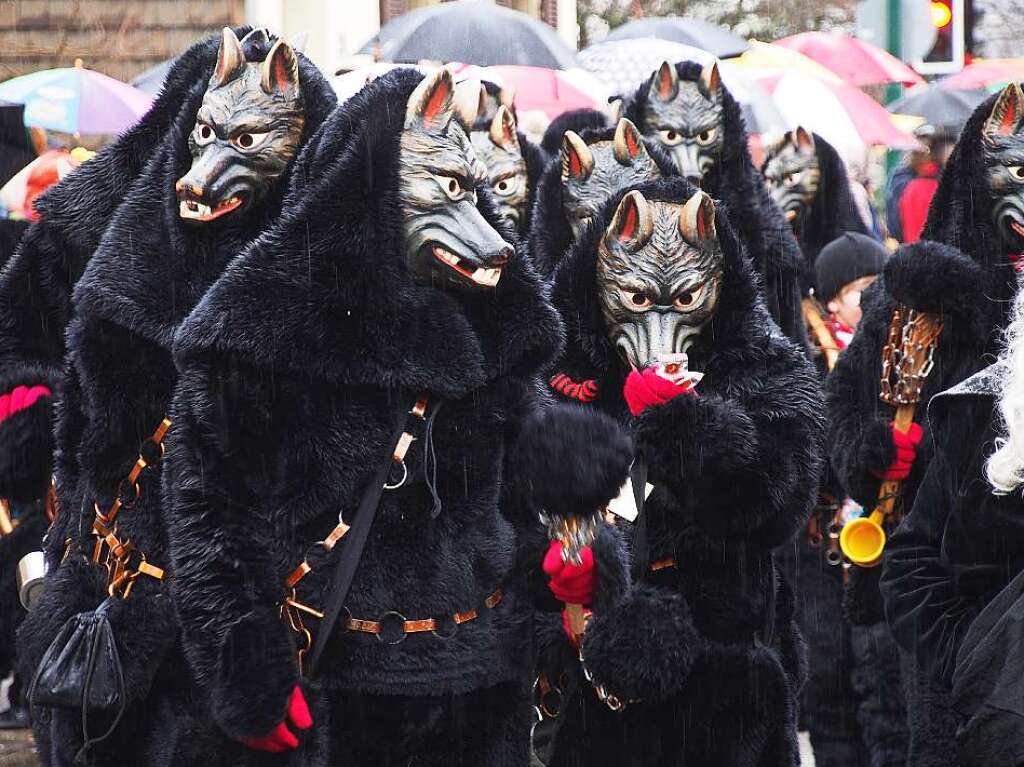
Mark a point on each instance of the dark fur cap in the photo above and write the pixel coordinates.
(331, 275)
(577, 120)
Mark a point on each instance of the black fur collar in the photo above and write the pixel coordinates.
(151, 268)
(325, 292)
(740, 326)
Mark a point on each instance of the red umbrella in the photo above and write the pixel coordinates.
(855, 61)
(551, 91)
(992, 74)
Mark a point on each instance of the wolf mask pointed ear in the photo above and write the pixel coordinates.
(1007, 113)
(577, 159)
(627, 144)
(697, 220)
(466, 100)
(803, 139)
(711, 81)
(633, 224)
(503, 129)
(280, 71)
(665, 84)
(230, 59)
(431, 104)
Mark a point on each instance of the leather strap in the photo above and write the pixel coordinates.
(422, 625)
(357, 535)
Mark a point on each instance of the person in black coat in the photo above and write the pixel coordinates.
(215, 181)
(576, 120)
(389, 278)
(808, 182)
(589, 168)
(962, 271)
(703, 650)
(686, 108)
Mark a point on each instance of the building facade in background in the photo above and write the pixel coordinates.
(123, 38)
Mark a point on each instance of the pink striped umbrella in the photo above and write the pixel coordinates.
(855, 61)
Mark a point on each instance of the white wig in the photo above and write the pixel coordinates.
(1005, 467)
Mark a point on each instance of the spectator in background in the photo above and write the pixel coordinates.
(912, 186)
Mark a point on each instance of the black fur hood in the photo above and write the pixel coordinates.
(536, 160)
(331, 275)
(959, 215)
(550, 233)
(740, 321)
(833, 212)
(151, 268)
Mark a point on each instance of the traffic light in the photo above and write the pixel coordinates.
(947, 18)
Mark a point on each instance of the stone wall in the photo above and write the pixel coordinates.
(120, 38)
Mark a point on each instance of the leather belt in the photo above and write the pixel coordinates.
(663, 564)
(395, 623)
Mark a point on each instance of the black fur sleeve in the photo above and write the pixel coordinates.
(226, 588)
(743, 459)
(860, 438)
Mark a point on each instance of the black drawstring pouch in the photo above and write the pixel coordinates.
(82, 670)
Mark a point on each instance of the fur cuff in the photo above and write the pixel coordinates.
(709, 437)
(572, 460)
(26, 452)
(933, 277)
(255, 676)
(644, 647)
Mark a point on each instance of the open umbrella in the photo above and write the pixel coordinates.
(940, 107)
(551, 91)
(471, 31)
(855, 61)
(76, 100)
(764, 59)
(845, 116)
(622, 65)
(152, 80)
(991, 74)
(695, 32)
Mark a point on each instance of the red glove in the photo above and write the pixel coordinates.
(646, 388)
(21, 398)
(906, 452)
(570, 583)
(281, 738)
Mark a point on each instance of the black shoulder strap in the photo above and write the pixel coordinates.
(355, 542)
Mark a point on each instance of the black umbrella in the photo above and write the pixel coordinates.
(472, 32)
(152, 80)
(939, 107)
(700, 34)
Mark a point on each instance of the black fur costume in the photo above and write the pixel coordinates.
(959, 269)
(734, 471)
(147, 272)
(550, 232)
(577, 120)
(832, 213)
(295, 367)
(764, 232)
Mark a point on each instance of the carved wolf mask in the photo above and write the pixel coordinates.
(498, 148)
(448, 241)
(247, 131)
(1003, 152)
(793, 174)
(687, 118)
(659, 274)
(591, 173)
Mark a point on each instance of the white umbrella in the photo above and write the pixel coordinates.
(622, 65)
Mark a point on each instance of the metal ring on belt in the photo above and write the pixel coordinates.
(403, 626)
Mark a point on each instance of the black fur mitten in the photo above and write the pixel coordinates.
(644, 647)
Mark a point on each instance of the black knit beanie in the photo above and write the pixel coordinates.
(847, 258)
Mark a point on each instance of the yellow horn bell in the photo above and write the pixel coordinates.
(863, 540)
